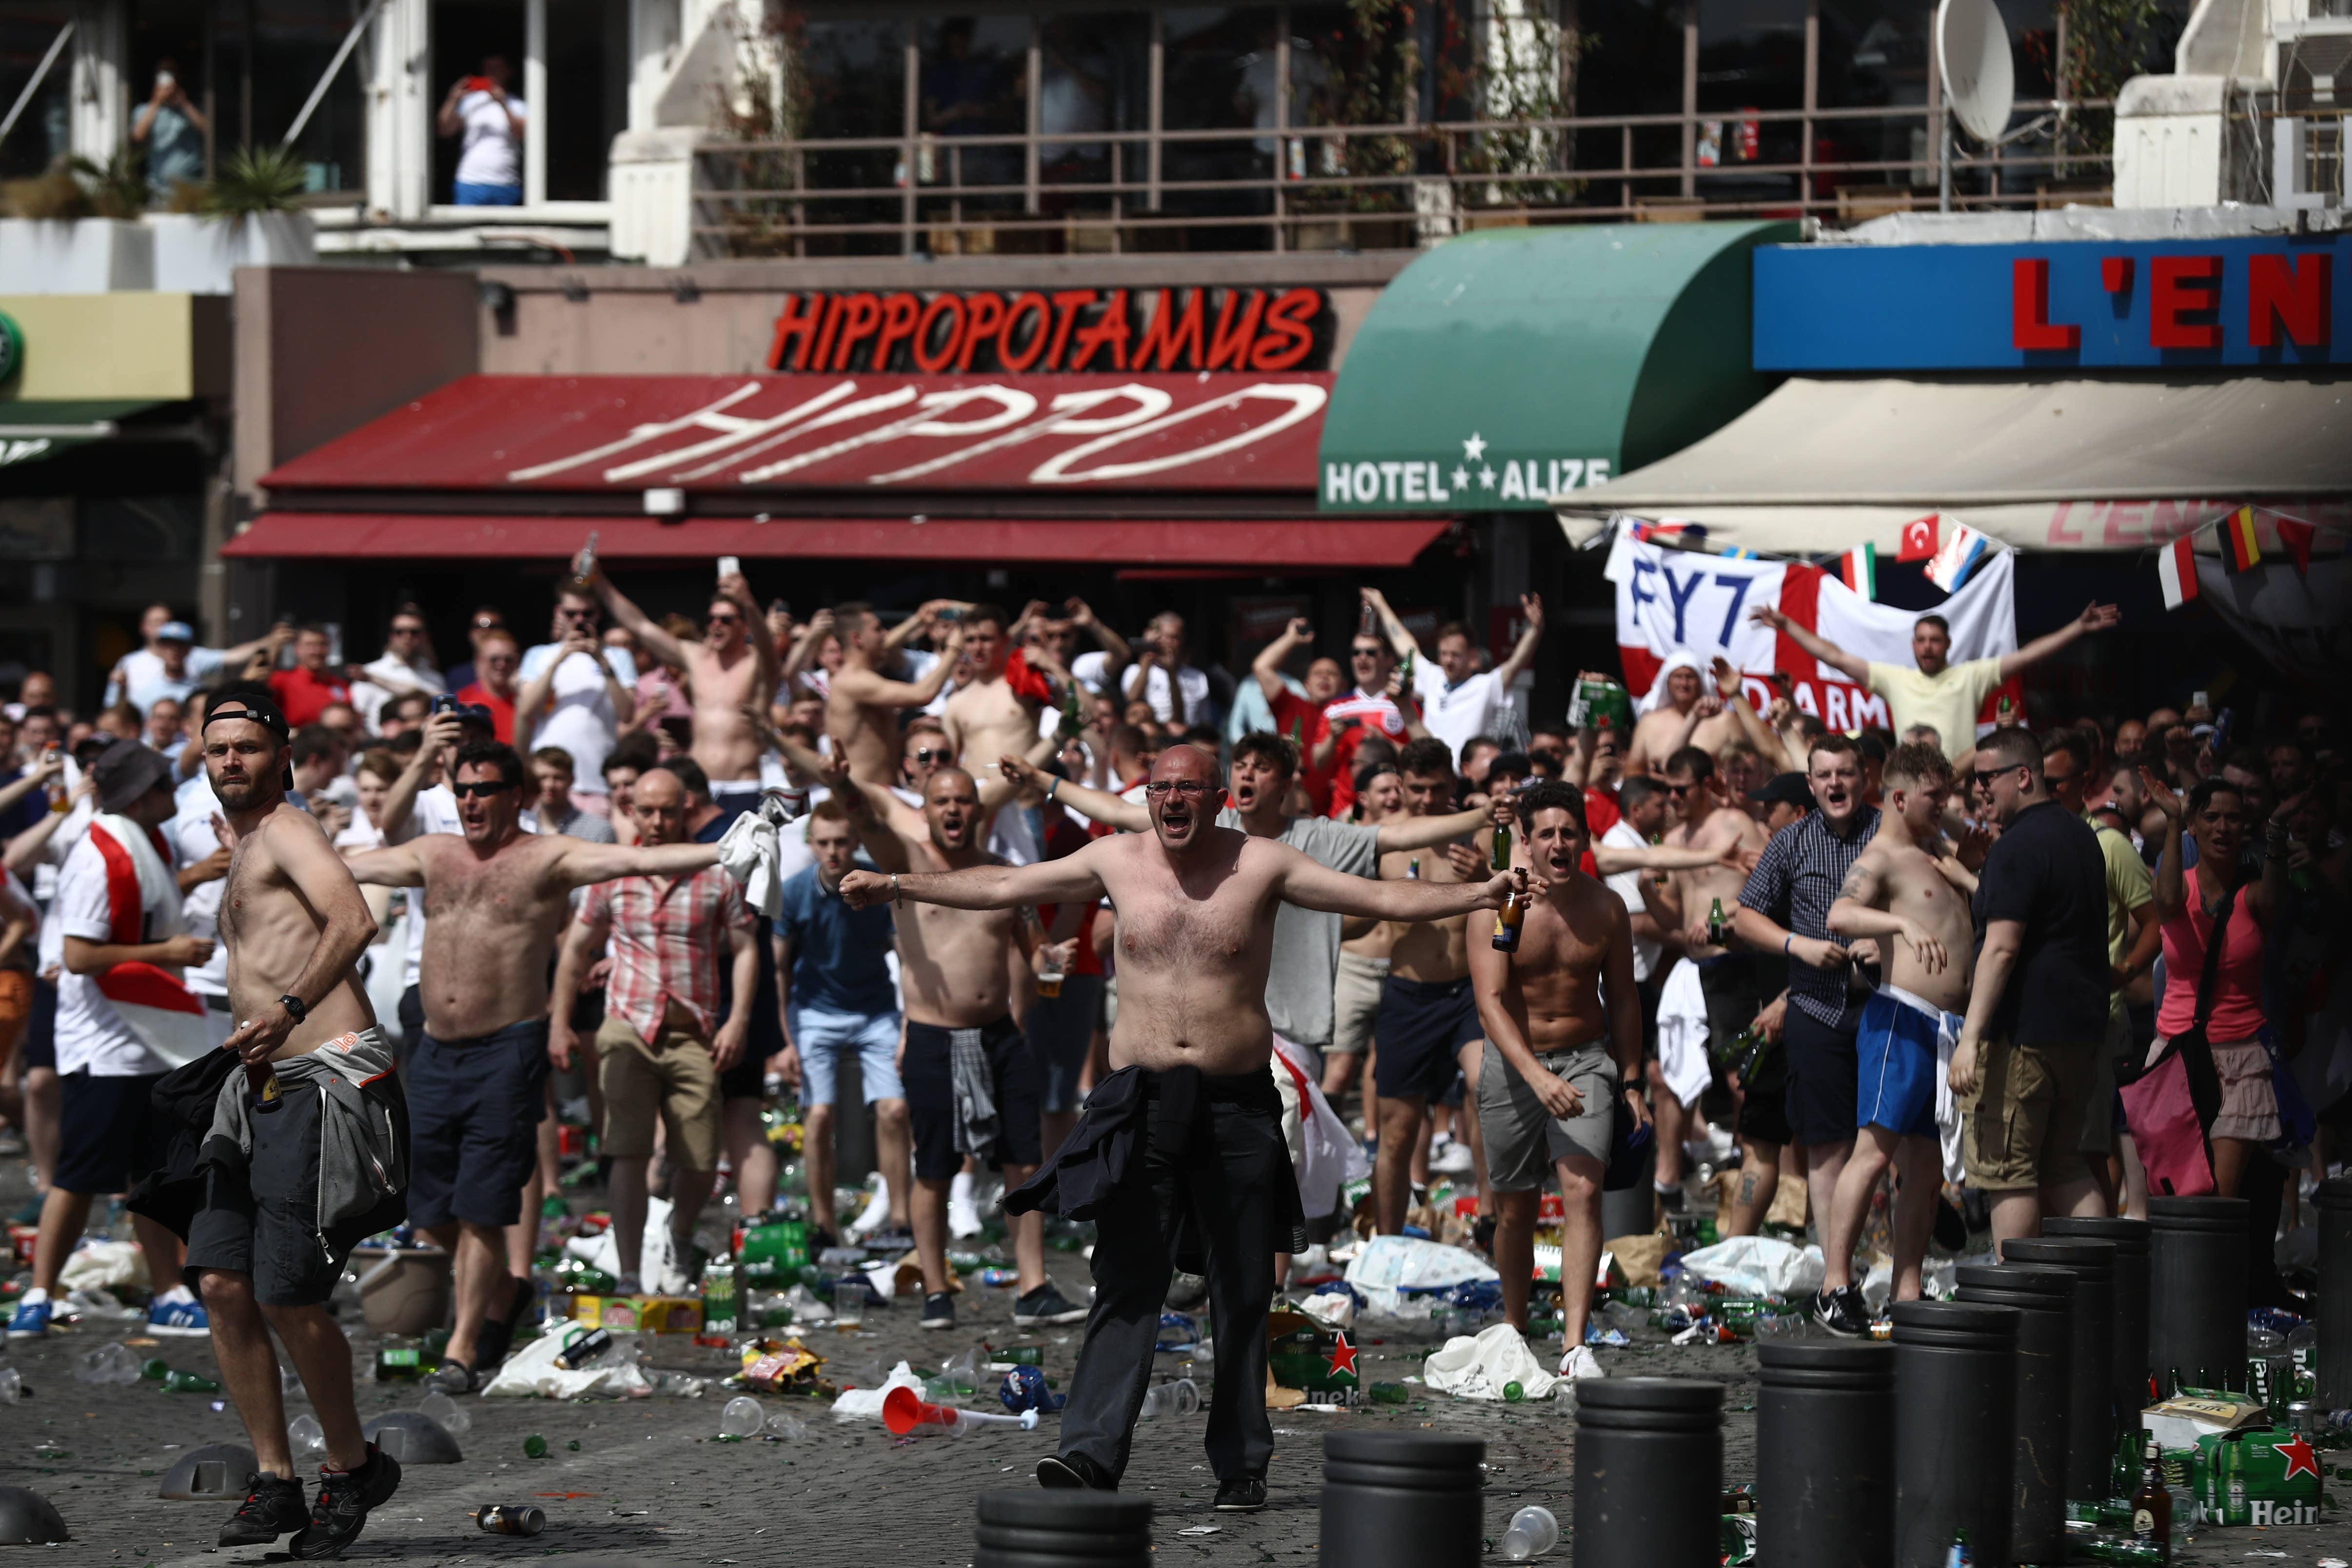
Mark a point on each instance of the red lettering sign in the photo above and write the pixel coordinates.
(2178, 287)
(2030, 326)
(1158, 330)
(2290, 295)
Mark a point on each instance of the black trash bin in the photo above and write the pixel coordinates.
(2197, 1292)
(1955, 1431)
(2128, 1349)
(2091, 1398)
(2044, 1298)
(1649, 1474)
(2335, 1379)
(1042, 1527)
(1401, 1499)
(1825, 1452)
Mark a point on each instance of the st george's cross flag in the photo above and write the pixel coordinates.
(143, 904)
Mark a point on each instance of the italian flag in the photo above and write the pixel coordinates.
(1858, 568)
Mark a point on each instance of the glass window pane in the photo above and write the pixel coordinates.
(975, 86)
(292, 42)
(468, 36)
(1094, 74)
(854, 83)
(172, 95)
(1222, 73)
(41, 135)
(1752, 55)
(587, 91)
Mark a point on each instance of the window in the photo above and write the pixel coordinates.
(587, 94)
(42, 134)
(272, 55)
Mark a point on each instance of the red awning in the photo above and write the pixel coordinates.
(1289, 544)
(1067, 435)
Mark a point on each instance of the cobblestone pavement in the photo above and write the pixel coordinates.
(649, 1486)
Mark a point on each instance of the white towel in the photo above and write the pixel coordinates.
(749, 853)
(1682, 1033)
(1947, 1104)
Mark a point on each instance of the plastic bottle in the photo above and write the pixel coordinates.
(741, 1419)
(1533, 1532)
(108, 1364)
(446, 1413)
(1181, 1397)
(12, 1386)
(305, 1437)
(1959, 1553)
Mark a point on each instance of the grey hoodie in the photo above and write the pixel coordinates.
(361, 1159)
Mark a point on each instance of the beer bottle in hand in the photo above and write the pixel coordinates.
(1508, 921)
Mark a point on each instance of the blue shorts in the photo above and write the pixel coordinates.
(1421, 1029)
(472, 195)
(1896, 1065)
(474, 1110)
(821, 1035)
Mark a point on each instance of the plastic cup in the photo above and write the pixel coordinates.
(446, 1411)
(1533, 1532)
(849, 1300)
(306, 1437)
(741, 1419)
(12, 1386)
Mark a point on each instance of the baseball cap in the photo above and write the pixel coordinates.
(176, 631)
(1789, 789)
(126, 771)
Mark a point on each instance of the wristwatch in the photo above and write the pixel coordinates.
(294, 1006)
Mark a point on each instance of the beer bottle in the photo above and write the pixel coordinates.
(2152, 1505)
(1715, 923)
(583, 566)
(1507, 925)
(1499, 858)
(58, 802)
(2233, 1454)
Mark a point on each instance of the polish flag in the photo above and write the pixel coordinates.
(1918, 539)
(161, 1011)
(2176, 569)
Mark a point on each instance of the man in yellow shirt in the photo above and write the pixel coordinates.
(1941, 694)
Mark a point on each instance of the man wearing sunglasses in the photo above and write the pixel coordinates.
(1197, 908)
(577, 692)
(730, 675)
(496, 894)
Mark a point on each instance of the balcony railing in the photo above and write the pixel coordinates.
(1364, 187)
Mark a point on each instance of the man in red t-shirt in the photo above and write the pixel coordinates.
(496, 660)
(308, 689)
(1296, 719)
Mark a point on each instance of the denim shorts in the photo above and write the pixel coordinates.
(821, 1035)
(472, 195)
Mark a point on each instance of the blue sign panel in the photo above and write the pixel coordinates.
(2185, 303)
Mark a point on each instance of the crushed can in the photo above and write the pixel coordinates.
(511, 1518)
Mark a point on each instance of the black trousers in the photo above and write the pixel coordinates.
(1214, 1158)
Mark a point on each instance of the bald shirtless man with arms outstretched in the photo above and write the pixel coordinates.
(294, 924)
(496, 900)
(1196, 905)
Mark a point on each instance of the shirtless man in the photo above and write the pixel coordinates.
(732, 671)
(1560, 1068)
(861, 706)
(989, 717)
(496, 898)
(956, 981)
(1896, 892)
(1196, 906)
(1680, 721)
(1704, 819)
(294, 925)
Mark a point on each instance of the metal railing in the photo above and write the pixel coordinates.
(1362, 187)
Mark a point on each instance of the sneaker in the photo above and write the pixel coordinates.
(343, 1505)
(1245, 1495)
(821, 1240)
(891, 1238)
(877, 1213)
(964, 1216)
(1842, 1311)
(1670, 1199)
(273, 1506)
(184, 1316)
(1071, 1472)
(1580, 1363)
(938, 1310)
(1044, 1305)
(451, 1377)
(30, 1320)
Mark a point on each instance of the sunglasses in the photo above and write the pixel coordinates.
(1182, 789)
(481, 789)
(729, 619)
(929, 754)
(1979, 778)
(1678, 791)
(1363, 653)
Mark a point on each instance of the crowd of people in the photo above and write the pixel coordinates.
(1247, 927)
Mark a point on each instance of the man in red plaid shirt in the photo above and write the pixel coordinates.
(663, 1043)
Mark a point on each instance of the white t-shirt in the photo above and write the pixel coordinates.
(1090, 670)
(491, 154)
(1455, 713)
(192, 838)
(139, 678)
(1627, 886)
(90, 1034)
(581, 719)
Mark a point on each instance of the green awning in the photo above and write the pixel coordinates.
(1510, 366)
(30, 431)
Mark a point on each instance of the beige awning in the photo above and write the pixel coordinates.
(2120, 464)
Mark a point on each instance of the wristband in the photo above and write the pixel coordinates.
(894, 886)
(1785, 942)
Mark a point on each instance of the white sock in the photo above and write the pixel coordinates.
(34, 1297)
(174, 1296)
(960, 1188)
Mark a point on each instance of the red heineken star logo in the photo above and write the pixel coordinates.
(1343, 1359)
(2299, 1457)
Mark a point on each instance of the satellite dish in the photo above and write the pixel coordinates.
(1980, 80)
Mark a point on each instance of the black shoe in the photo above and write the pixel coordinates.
(1951, 1227)
(1071, 1472)
(343, 1505)
(1247, 1495)
(938, 1310)
(1842, 1312)
(273, 1505)
(454, 1376)
(1482, 1234)
(819, 1240)
(1045, 1305)
(1670, 1199)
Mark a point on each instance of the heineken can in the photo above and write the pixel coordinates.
(1601, 702)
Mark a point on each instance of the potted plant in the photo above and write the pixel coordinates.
(249, 215)
(75, 230)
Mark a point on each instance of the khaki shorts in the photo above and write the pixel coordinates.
(2024, 1119)
(1355, 1001)
(672, 1076)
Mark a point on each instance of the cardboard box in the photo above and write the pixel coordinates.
(639, 1314)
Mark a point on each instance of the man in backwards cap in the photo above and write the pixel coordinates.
(322, 1164)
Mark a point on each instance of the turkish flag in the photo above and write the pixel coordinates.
(1919, 541)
